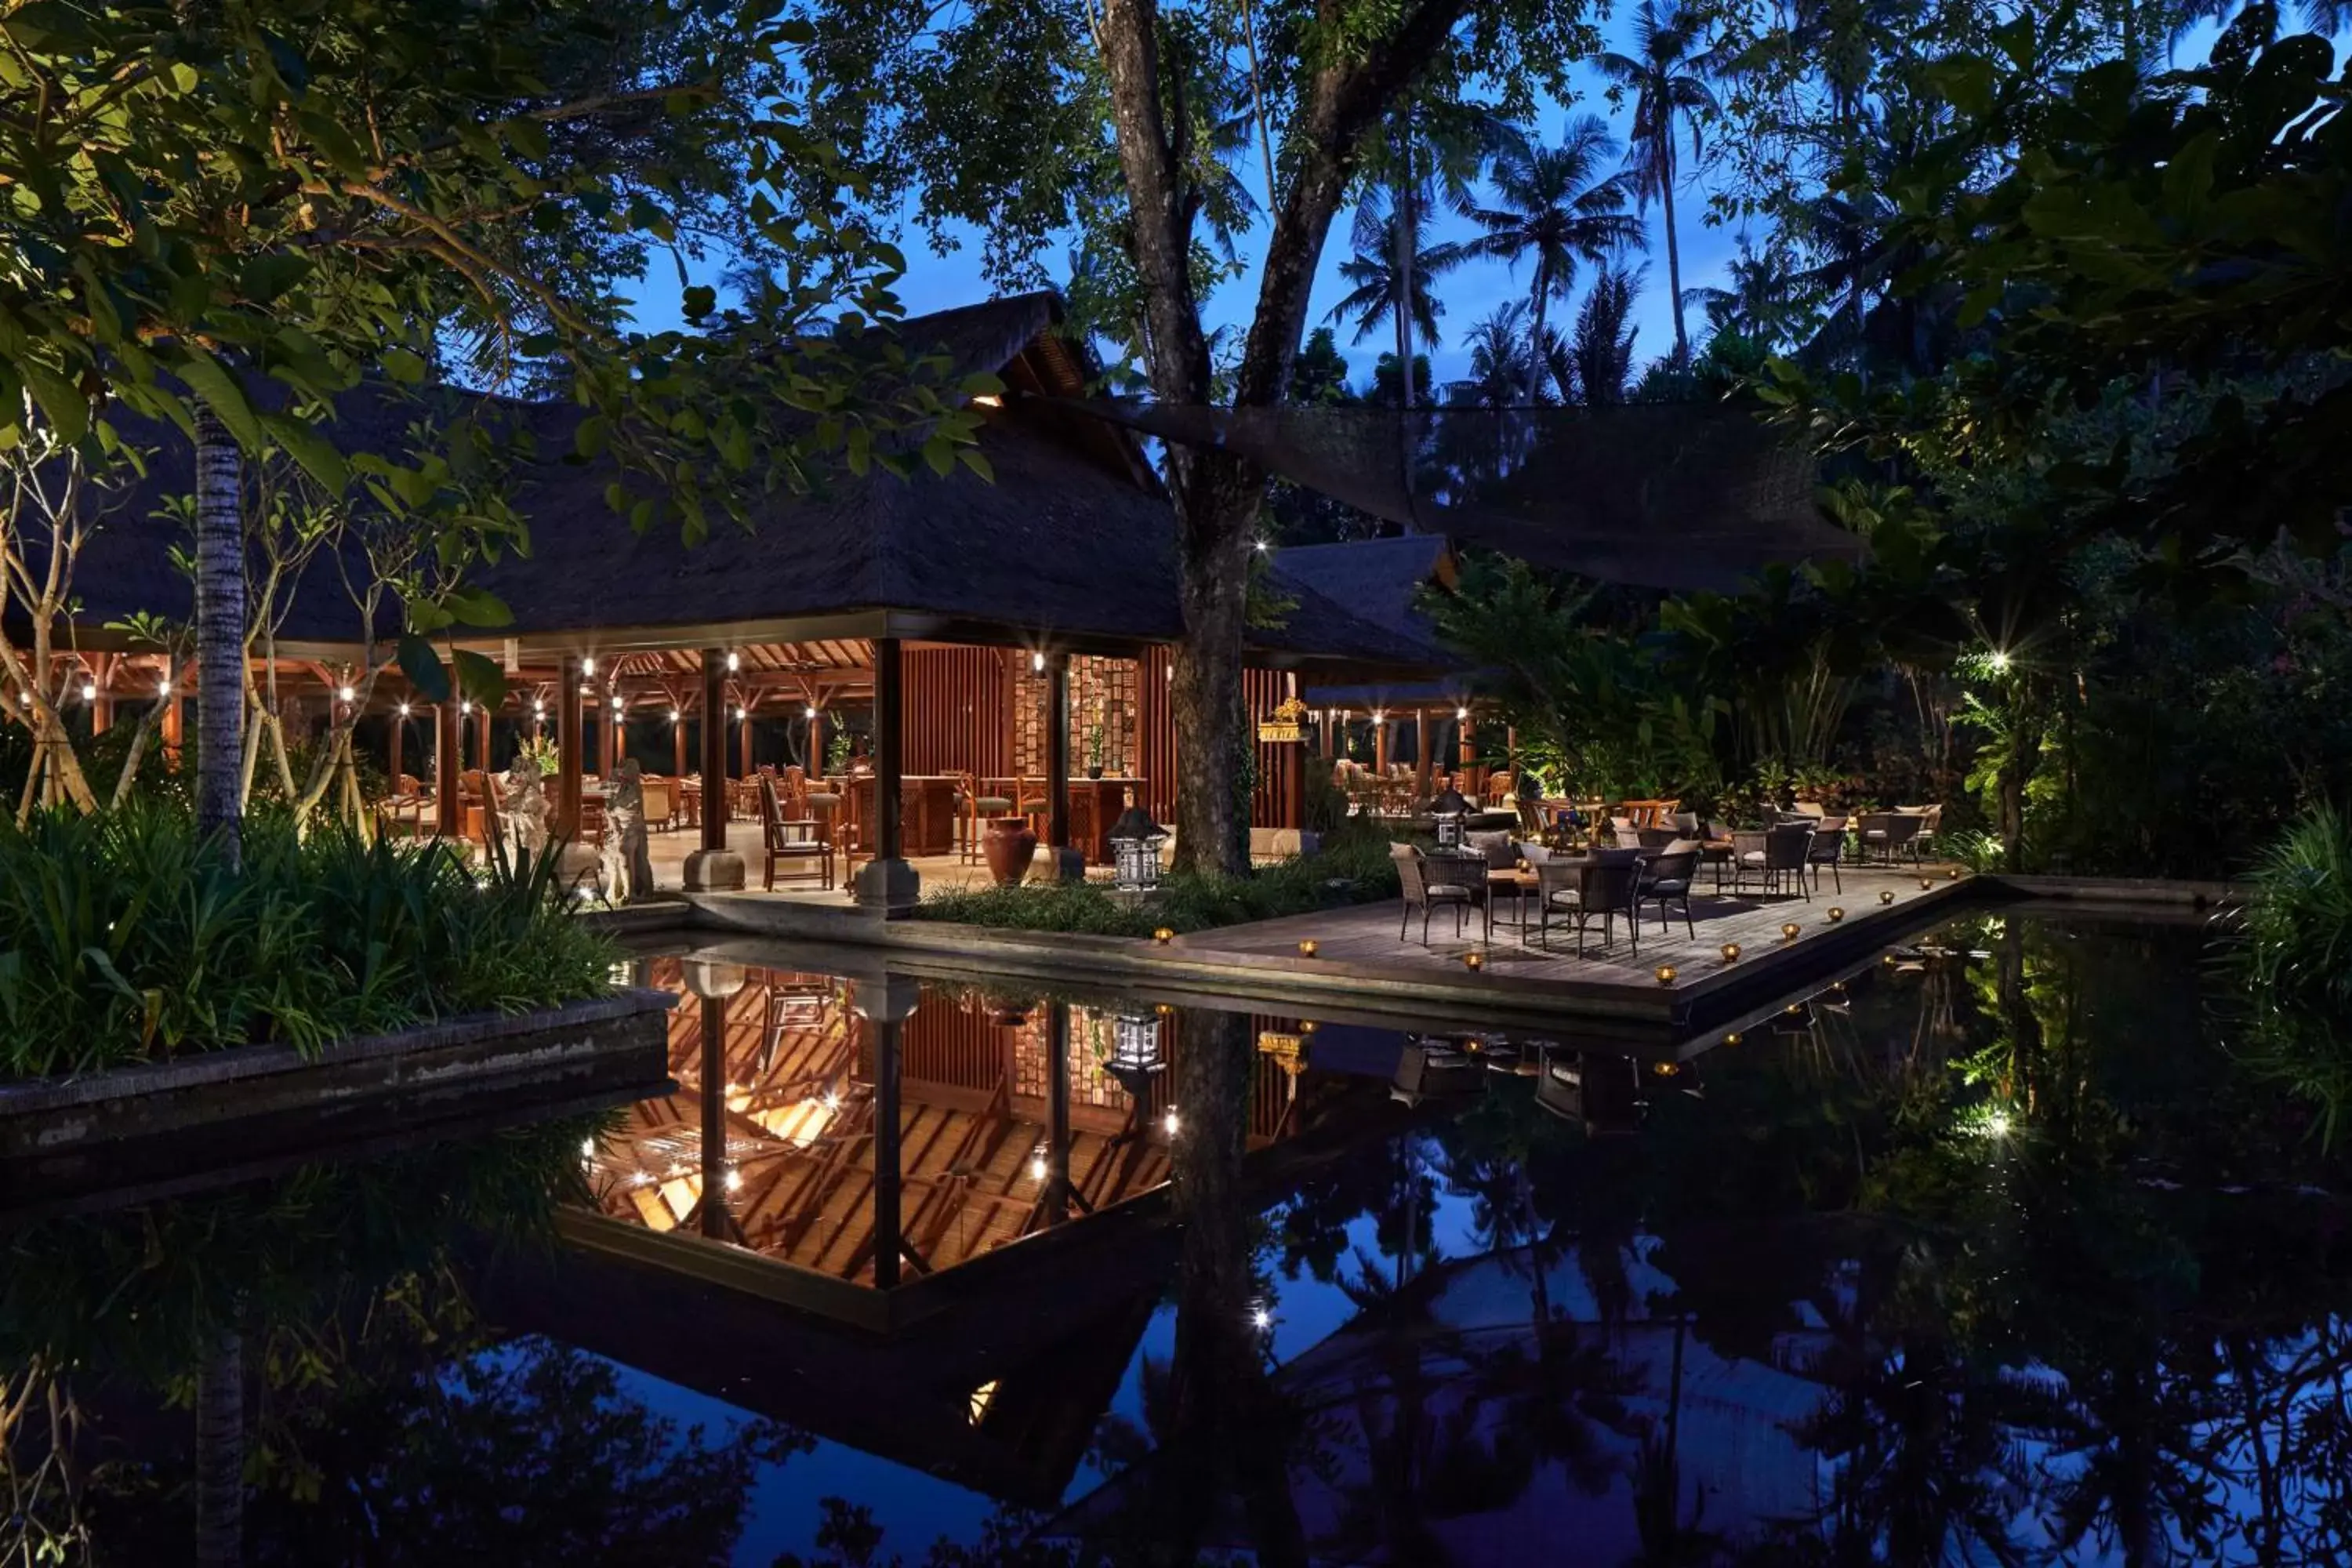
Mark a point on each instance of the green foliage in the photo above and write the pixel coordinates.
(123, 938)
(1352, 867)
(1594, 707)
(2295, 946)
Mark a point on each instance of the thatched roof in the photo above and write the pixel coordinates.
(1072, 542)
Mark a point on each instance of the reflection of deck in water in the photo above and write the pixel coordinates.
(1011, 1118)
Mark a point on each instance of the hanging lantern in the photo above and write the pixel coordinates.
(1449, 808)
(1135, 1058)
(1135, 841)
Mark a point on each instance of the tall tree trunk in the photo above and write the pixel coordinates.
(220, 636)
(1402, 210)
(1674, 266)
(1540, 365)
(1218, 497)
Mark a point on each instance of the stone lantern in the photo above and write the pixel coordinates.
(1449, 808)
(1135, 841)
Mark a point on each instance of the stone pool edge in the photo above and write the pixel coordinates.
(554, 1046)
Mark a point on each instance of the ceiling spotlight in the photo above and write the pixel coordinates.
(616, 702)
(1462, 715)
(734, 662)
(1038, 662)
(464, 705)
(676, 717)
(810, 711)
(742, 712)
(404, 710)
(344, 694)
(89, 691)
(588, 665)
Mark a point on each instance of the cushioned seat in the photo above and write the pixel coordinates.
(993, 805)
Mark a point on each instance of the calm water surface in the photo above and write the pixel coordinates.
(1989, 1252)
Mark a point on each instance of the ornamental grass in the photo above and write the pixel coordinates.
(124, 938)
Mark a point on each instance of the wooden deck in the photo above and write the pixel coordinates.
(1367, 935)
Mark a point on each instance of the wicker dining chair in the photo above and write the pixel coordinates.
(1420, 892)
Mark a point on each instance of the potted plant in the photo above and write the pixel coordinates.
(1093, 751)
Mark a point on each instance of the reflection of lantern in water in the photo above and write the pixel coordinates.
(1135, 1058)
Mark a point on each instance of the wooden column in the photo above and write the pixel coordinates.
(1422, 761)
(448, 760)
(609, 751)
(1464, 744)
(888, 1177)
(889, 745)
(744, 743)
(714, 748)
(482, 739)
(816, 741)
(170, 698)
(399, 727)
(567, 748)
(1058, 750)
(102, 703)
(678, 741)
(1380, 744)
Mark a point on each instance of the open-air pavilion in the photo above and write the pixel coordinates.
(996, 648)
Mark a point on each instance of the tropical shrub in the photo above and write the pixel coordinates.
(1353, 867)
(124, 938)
(2293, 951)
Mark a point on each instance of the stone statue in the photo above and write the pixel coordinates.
(524, 805)
(628, 870)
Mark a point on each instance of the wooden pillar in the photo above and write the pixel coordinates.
(102, 701)
(448, 759)
(815, 741)
(170, 698)
(1058, 750)
(1511, 747)
(1294, 767)
(609, 751)
(1420, 753)
(888, 1177)
(399, 727)
(567, 748)
(1464, 742)
(482, 739)
(714, 748)
(678, 741)
(889, 745)
(744, 745)
(1380, 744)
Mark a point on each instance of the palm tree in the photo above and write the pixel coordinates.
(1601, 348)
(1384, 291)
(1502, 361)
(1441, 146)
(1667, 73)
(220, 633)
(1556, 206)
(1762, 301)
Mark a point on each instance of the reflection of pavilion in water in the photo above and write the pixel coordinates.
(1010, 1117)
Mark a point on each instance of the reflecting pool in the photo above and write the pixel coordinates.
(1989, 1250)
